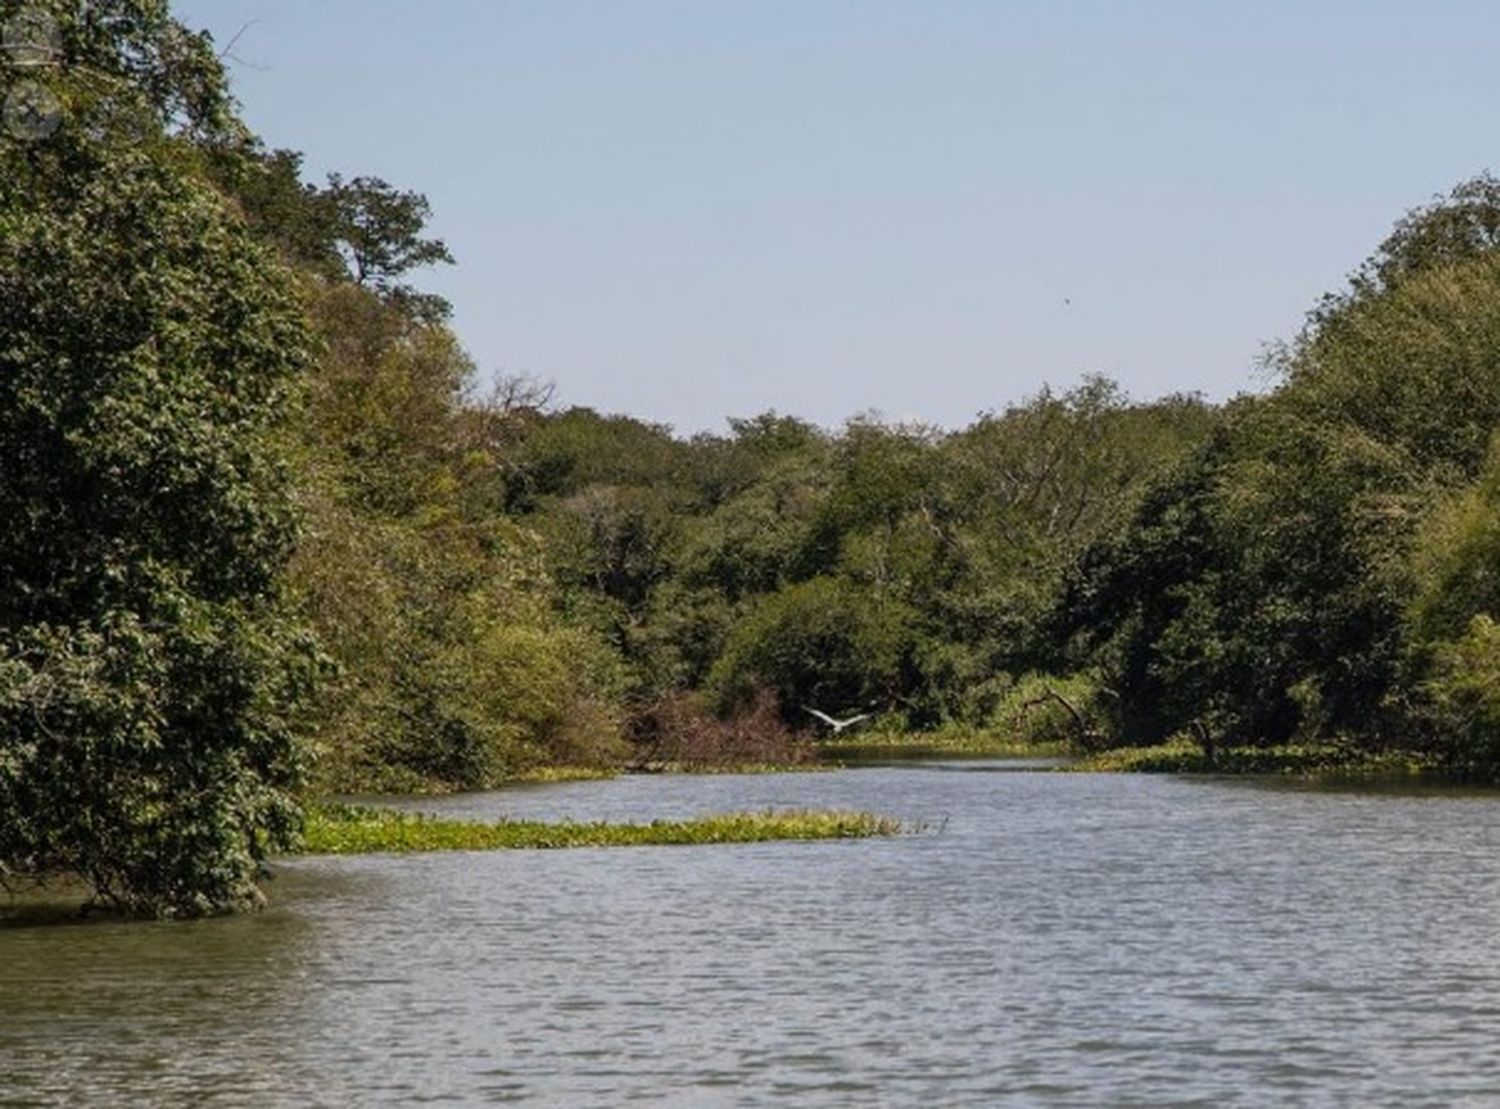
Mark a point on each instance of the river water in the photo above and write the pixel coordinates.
(1054, 939)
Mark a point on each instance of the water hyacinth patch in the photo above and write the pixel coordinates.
(346, 830)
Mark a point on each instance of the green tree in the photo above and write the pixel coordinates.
(1450, 230)
(456, 663)
(148, 348)
(1461, 691)
(1456, 561)
(822, 643)
(1454, 653)
(378, 230)
(1263, 589)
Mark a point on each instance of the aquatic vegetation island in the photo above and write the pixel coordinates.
(341, 830)
(268, 537)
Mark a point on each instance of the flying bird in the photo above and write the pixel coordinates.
(839, 726)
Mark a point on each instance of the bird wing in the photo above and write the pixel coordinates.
(823, 716)
(853, 720)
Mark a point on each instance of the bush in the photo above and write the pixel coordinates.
(1464, 694)
(823, 644)
(678, 731)
(1042, 709)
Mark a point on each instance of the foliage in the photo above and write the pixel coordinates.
(378, 232)
(1463, 691)
(132, 56)
(454, 667)
(353, 831)
(1262, 593)
(820, 644)
(1269, 563)
(227, 415)
(948, 741)
(1043, 710)
(1450, 230)
(147, 667)
(1185, 756)
(1456, 561)
(892, 566)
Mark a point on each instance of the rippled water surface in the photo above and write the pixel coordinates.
(1055, 939)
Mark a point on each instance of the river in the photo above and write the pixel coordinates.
(1052, 939)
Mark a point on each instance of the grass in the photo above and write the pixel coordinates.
(549, 775)
(1186, 757)
(946, 742)
(373, 781)
(347, 830)
(729, 768)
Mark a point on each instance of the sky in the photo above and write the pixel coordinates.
(688, 210)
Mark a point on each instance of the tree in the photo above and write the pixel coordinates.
(131, 54)
(148, 670)
(1461, 690)
(280, 207)
(378, 230)
(822, 643)
(1264, 588)
(453, 667)
(1454, 650)
(1451, 229)
(1456, 560)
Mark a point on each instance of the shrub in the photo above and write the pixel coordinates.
(1464, 694)
(1042, 709)
(677, 730)
(824, 643)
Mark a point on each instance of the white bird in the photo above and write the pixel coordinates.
(839, 726)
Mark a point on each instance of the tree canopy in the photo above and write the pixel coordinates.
(269, 530)
(149, 347)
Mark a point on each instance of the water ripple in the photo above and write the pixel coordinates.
(1064, 940)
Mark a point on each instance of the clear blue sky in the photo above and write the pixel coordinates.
(688, 209)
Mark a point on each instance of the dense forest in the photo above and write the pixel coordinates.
(267, 531)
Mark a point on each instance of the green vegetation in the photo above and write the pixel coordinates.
(1319, 567)
(1187, 757)
(949, 742)
(150, 663)
(353, 831)
(268, 536)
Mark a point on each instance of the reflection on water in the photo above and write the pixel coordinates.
(1064, 939)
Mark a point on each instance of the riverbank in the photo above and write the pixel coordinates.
(1185, 757)
(943, 743)
(349, 830)
(1181, 756)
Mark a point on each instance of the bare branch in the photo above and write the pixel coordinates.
(228, 54)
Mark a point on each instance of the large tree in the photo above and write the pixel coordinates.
(148, 348)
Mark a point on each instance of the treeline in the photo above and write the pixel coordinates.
(1324, 567)
(895, 569)
(266, 530)
(1314, 565)
(1317, 565)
